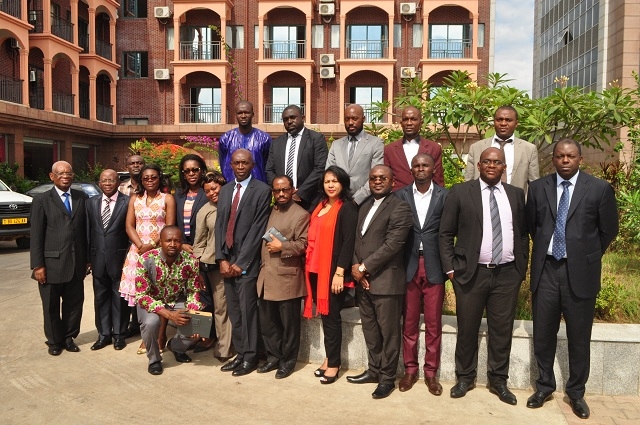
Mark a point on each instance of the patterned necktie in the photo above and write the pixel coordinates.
(67, 202)
(232, 217)
(292, 156)
(352, 148)
(503, 178)
(559, 248)
(106, 213)
(496, 228)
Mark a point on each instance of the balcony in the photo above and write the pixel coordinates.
(11, 7)
(84, 110)
(62, 28)
(273, 112)
(367, 49)
(450, 49)
(35, 19)
(104, 113)
(284, 50)
(200, 113)
(36, 98)
(103, 49)
(63, 102)
(200, 51)
(10, 89)
(83, 41)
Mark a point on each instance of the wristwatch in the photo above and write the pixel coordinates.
(362, 268)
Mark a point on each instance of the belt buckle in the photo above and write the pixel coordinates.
(492, 266)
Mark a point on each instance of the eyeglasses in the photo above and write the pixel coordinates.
(150, 178)
(495, 162)
(282, 189)
(64, 174)
(108, 181)
(136, 163)
(381, 178)
(193, 170)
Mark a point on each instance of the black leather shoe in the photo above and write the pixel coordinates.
(155, 368)
(232, 365)
(580, 407)
(54, 350)
(283, 372)
(100, 344)
(119, 344)
(383, 391)
(503, 393)
(71, 346)
(461, 388)
(181, 357)
(365, 377)
(538, 398)
(268, 366)
(245, 369)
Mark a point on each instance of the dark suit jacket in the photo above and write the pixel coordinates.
(592, 223)
(59, 241)
(395, 158)
(312, 157)
(381, 248)
(462, 219)
(427, 234)
(251, 222)
(200, 201)
(108, 246)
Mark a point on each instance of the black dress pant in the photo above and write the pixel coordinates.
(280, 327)
(111, 310)
(331, 323)
(68, 295)
(242, 307)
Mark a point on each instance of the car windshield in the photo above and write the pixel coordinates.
(3, 187)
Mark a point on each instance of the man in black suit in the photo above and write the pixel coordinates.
(484, 247)
(243, 211)
(301, 154)
(572, 218)
(109, 243)
(425, 278)
(384, 222)
(59, 257)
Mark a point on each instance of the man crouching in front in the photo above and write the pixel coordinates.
(166, 277)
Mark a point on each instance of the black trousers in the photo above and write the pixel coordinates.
(495, 290)
(242, 307)
(68, 295)
(331, 323)
(111, 310)
(280, 327)
(554, 298)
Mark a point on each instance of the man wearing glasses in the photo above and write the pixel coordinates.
(484, 247)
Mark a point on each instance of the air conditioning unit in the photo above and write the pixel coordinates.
(407, 8)
(161, 12)
(32, 76)
(327, 59)
(408, 72)
(161, 74)
(327, 72)
(327, 9)
(15, 44)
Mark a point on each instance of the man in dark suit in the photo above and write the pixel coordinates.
(378, 265)
(398, 155)
(572, 218)
(425, 278)
(243, 211)
(484, 247)
(301, 154)
(109, 243)
(59, 257)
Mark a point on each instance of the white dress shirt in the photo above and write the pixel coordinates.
(411, 149)
(559, 190)
(506, 222)
(295, 158)
(243, 187)
(509, 154)
(61, 193)
(372, 211)
(422, 201)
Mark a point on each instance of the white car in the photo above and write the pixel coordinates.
(15, 220)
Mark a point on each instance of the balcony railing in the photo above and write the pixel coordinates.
(36, 98)
(11, 7)
(368, 49)
(35, 19)
(104, 113)
(84, 110)
(450, 49)
(273, 112)
(200, 51)
(370, 112)
(63, 102)
(10, 89)
(103, 48)
(284, 49)
(199, 113)
(62, 28)
(83, 41)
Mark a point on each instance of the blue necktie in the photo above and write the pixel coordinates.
(559, 248)
(67, 203)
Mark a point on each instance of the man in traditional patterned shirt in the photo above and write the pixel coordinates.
(166, 277)
(244, 137)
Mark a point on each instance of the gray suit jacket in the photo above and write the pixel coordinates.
(525, 158)
(369, 153)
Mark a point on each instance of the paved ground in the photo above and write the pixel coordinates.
(111, 387)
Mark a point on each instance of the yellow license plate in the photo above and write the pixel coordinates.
(14, 221)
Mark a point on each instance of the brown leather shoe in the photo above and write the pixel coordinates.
(434, 386)
(406, 383)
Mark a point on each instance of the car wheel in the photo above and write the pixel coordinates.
(23, 242)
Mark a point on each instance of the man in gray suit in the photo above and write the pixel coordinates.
(108, 243)
(356, 153)
(521, 156)
(59, 257)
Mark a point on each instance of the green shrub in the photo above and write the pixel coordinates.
(9, 175)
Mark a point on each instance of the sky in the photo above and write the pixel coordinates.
(514, 41)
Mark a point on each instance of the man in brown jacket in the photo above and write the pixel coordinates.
(281, 284)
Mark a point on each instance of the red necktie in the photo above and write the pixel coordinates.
(232, 218)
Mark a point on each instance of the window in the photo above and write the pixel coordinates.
(480, 35)
(281, 97)
(169, 37)
(234, 36)
(134, 9)
(417, 35)
(366, 97)
(335, 36)
(366, 41)
(135, 121)
(317, 36)
(206, 105)
(135, 65)
(449, 41)
(397, 35)
(285, 42)
(199, 43)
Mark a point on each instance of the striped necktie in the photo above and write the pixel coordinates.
(106, 213)
(496, 228)
(292, 156)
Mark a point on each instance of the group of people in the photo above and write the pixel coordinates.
(359, 215)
